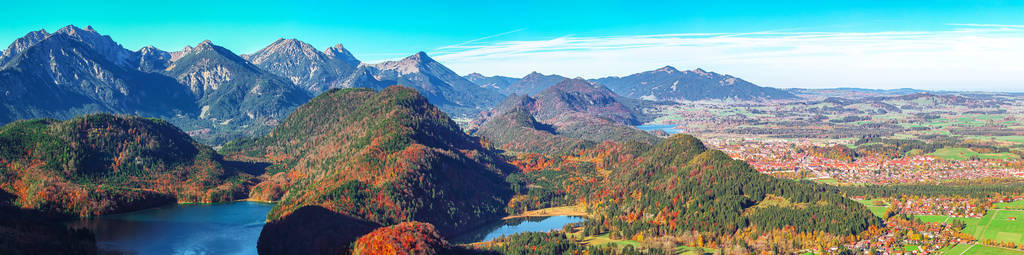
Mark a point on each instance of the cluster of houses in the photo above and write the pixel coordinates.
(786, 158)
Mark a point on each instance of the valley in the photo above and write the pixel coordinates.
(294, 150)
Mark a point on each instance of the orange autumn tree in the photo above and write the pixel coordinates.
(403, 238)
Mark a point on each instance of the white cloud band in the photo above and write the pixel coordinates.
(966, 57)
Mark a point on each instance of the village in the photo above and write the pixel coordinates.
(791, 159)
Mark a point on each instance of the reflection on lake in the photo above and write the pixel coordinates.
(516, 225)
(227, 228)
(671, 129)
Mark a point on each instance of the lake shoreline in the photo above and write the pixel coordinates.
(573, 210)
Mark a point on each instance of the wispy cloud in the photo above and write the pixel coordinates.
(966, 56)
(481, 39)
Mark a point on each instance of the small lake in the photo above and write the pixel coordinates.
(225, 228)
(234, 228)
(671, 129)
(517, 225)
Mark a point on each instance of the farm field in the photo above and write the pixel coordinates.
(605, 240)
(966, 154)
(977, 249)
(998, 224)
(1018, 205)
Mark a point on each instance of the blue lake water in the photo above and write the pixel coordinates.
(226, 228)
(517, 225)
(234, 228)
(671, 129)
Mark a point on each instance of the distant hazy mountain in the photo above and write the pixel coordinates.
(850, 92)
(528, 85)
(304, 65)
(443, 87)
(496, 82)
(73, 71)
(667, 83)
(581, 96)
(572, 114)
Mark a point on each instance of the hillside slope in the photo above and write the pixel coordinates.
(102, 164)
(386, 157)
(61, 76)
(570, 115)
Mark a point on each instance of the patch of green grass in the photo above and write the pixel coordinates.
(877, 210)
(1019, 204)
(955, 250)
(954, 153)
(687, 250)
(987, 250)
(966, 154)
(1002, 156)
(997, 225)
(604, 239)
(827, 181)
(1016, 139)
(933, 218)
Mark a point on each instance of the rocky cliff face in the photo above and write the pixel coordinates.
(443, 87)
(229, 88)
(21, 44)
(61, 76)
(301, 63)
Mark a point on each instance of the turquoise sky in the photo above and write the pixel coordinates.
(377, 30)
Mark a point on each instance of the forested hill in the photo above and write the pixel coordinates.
(101, 164)
(386, 157)
(572, 114)
(679, 188)
(705, 190)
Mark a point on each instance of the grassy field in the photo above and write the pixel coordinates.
(687, 250)
(571, 210)
(965, 154)
(911, 248)
(997, 225)
(877, 210)
(954, 153)
(977, 249)
(1016, 139)
(955, 250)
(829, 181)
(605, 240)
(1019, 205)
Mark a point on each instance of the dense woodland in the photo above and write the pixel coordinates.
(680, 188)
(974, 189)
(387, 157)
(101, 164)
(358, 156)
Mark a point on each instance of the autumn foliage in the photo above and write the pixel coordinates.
(402, 238)
(101, 163)
(387, 157)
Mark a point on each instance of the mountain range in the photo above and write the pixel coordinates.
(207, 90)
(216, 95)
(663, 84)
(528, 85)
(571, 114)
